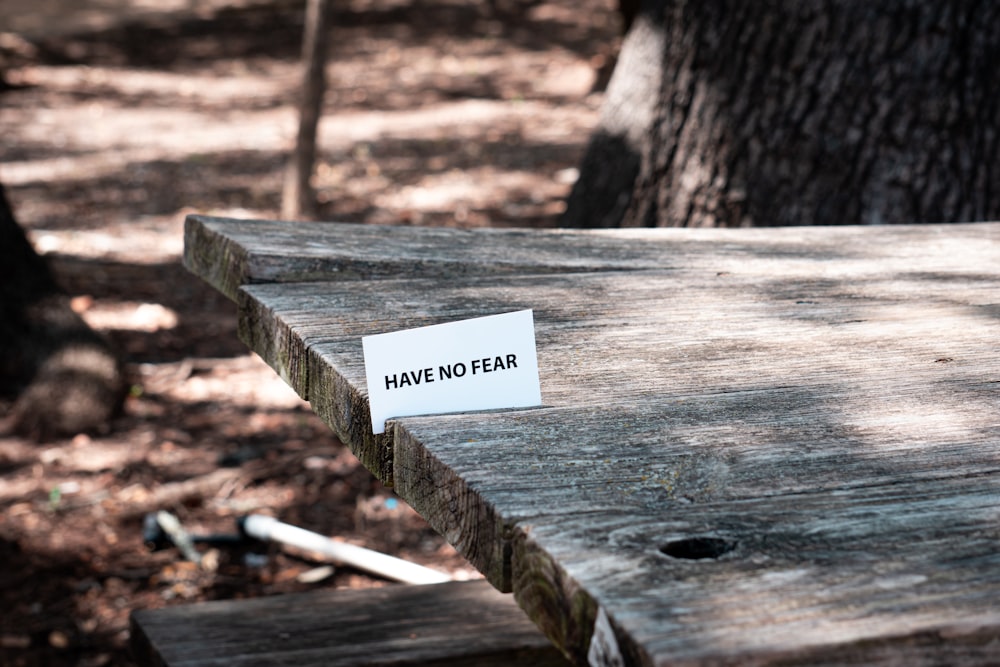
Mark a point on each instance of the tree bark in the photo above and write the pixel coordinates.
(298, 197)
(64, 376)
(791, 112)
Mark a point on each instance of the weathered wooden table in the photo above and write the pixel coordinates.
(756, 446)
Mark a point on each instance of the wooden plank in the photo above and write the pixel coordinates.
(229, 253)
(476, 479)
(890, 574)
(456, 624)
(874, 349)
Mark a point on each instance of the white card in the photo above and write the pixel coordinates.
(478, 364)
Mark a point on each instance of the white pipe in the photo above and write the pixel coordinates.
(268, 528)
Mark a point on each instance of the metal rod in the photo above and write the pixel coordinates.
(171, 525)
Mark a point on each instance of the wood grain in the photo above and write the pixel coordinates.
(230, 253)
(768, 365)
(465, 624)
(820, 406)
(800, 579)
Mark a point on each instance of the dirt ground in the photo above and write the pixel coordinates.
(122, 116)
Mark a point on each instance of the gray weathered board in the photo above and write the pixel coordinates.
(455, 624)
(756, 446)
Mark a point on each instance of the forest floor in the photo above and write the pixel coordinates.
(123, 116)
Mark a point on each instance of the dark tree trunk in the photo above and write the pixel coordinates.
(64, 377)
(792, 112)
(298, 198)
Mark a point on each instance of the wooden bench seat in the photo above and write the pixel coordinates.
(455, 623)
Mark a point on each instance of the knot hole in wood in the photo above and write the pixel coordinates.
(698, 548)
